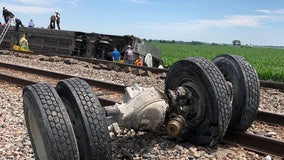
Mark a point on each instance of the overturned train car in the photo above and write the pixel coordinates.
(73, 43)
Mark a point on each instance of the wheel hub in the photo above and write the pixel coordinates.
(186, 107)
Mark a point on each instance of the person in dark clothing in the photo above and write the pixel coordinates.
(5, 14)
(18, 23)
(52, 22)
(57, 16)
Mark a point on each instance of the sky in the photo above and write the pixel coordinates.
(253, 22)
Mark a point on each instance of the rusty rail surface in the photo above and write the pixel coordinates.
(92, 82)
(112, 64)
(271, 84)
(271, 118)
(263, 83)
(256, 143)
(23, 82)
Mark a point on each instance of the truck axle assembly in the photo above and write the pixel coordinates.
(202, 99)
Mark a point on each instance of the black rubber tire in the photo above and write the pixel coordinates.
(246, 89)
(88, 118)
(216, 108)
(48, 124)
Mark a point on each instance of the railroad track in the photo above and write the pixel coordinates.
(121, 66)
(256, 143)
(115, 87)
(107, 87)
(103, 89)
(263, 116)
(100, 62)
(250, 141)
(58, 76)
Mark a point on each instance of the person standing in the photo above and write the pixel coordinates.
(52, 22)
(31, 23)
(57, 16)
(128, 55)
(5, 15)
(115, 55)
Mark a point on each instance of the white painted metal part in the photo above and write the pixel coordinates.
(143, 108)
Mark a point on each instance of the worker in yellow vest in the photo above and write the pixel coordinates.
(24, 44)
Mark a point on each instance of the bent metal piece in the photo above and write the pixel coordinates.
(143, 109)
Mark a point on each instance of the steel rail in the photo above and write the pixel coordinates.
(92, 82)
(23, 82)
(15, 80)
(271, 118)
(272, 84)
(110, 64)
(261, 116)
(263, 83)
(256, 143)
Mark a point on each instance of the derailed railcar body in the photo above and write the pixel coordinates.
(44, 41)
(91, 45)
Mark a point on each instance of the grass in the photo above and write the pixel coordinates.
(268, 62)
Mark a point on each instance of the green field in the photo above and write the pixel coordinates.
(268, 62)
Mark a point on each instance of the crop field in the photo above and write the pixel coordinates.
(268, 62)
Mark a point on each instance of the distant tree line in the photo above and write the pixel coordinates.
(167, 41)
(234, 42)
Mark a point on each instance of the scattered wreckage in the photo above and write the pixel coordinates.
(202, 99)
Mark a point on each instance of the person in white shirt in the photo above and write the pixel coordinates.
(128, 55)
(31, 23)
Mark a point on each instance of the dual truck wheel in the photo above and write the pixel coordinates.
(68, 122)
(224, 94)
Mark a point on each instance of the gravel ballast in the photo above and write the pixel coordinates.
(15, 143)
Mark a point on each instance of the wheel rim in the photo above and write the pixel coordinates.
(37, 137)
(192, 105)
